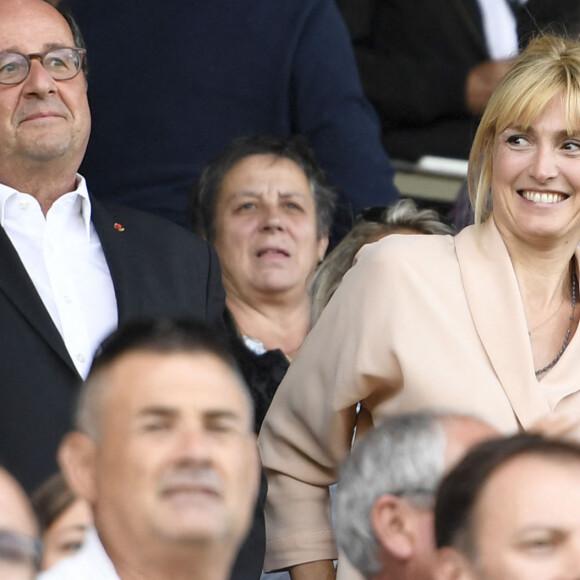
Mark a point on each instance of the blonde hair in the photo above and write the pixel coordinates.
(549, 66)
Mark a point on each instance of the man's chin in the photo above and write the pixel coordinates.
(198, 532)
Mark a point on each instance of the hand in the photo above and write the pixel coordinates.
(558, 425)
(481, 82)
(321, 570)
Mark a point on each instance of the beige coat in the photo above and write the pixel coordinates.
(419, 322)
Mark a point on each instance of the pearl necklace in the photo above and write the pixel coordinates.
(564, 346)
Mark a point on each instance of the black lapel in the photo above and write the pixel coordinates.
(20, 291)
(121, 254)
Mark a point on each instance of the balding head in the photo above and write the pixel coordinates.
(19, 548)
(461, 433)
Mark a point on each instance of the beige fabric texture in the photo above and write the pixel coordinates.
(419, 322)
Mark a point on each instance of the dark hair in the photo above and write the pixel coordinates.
(74, 28)
(51, 500)
(162, 335)
(462, 487)
(204, 195)
(156, 335)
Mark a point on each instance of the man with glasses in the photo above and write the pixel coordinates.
(71, 269)
(20, 548)
(386, 492)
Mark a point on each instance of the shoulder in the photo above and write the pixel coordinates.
(146, 227)
(409, 249)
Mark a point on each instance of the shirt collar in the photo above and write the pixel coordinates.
(81, 191)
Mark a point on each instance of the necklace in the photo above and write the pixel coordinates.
(564, 346)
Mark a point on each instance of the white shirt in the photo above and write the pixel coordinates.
(500, 28)
(91, 562)
(64, 259)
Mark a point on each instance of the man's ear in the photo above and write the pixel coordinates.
(393, 526)
(77, 457)
(450, 564)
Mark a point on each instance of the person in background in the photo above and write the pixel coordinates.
(561, 17)
(63, 519)
(20, 548)
(209, 72)
(266, 206)
(429, 68)
(484, 322)
(511, 510)
(386, 490)
(373, 224)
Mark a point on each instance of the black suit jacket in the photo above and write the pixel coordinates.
(157, 268)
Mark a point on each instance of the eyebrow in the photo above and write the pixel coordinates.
(156, 411)
(563, 134)
(222, 414)
(47, 47)
(211, 414)
(255, 194)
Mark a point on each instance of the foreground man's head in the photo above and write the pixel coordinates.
(511, 511)
(165, 451)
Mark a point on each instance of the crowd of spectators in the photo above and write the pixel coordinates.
(229, 350)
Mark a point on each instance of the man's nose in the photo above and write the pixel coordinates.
(193, 443)
(38, 81)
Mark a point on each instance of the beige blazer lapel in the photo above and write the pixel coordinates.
(495, 304)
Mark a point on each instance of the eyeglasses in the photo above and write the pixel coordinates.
(16, 547)
(61, 64)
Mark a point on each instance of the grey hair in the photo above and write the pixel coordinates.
(403, 214)
(404, 455)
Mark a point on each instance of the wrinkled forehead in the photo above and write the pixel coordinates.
(32, 25)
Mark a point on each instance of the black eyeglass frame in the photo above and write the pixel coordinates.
(40, 56)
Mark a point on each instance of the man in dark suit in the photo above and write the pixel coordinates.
(71, 269)
(427, 69)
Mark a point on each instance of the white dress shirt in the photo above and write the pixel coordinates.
(500, 28)
(63, 256)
